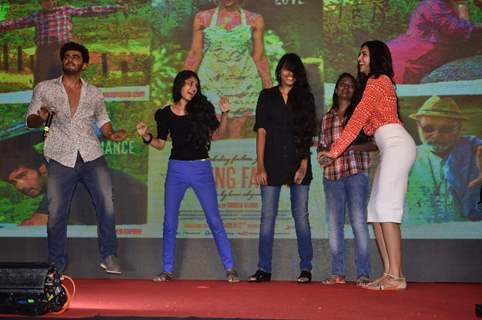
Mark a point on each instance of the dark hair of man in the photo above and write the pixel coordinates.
(380, 64)
(199, 110)
(303, 104)
(73, 46)
(15, 156)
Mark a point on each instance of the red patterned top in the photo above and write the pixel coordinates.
(377, 108)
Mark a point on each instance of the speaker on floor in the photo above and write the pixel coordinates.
(30, 289)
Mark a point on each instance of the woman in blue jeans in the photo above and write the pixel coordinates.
(345, 183)
(285, 125)
(191, 122)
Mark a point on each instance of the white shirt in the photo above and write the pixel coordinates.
(69, 135)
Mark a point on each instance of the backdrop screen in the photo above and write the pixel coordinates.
(136, 52)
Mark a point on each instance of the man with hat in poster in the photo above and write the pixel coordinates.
(445, 180)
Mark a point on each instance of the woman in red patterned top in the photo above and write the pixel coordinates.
(377, 114)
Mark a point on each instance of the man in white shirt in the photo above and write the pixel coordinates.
(74, 153)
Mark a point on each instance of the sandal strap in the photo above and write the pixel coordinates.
(395, 277)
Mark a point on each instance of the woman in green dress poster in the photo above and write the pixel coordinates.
(227, 51)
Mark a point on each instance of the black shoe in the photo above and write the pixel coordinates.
(232, 276)
(304, 277)
(163, 277)
(260, 276)
(111, 265)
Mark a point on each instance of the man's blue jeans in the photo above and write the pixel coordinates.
(348, 192)
(197, 174)
(299, 210)
(61, 183)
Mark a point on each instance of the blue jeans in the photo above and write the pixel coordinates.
(61, 183)
(198, 175)
(299, 210)
(348, 192)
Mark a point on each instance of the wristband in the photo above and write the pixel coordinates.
(147, 141)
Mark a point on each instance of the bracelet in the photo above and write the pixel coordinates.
(147, 141)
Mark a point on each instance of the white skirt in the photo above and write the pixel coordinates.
(397, 155)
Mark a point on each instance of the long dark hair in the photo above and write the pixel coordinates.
(380, 64)
(380, 61)
(303, 104)
(335, 99)
(362, 137)
(199, 110)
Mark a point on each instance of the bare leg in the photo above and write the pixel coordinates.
(381, 245)
(382, 250)
(392, 237)
(393, 279)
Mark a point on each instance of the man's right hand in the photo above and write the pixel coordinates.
(43, 113)
(37, 120)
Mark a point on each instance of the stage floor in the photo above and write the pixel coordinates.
(274, 300)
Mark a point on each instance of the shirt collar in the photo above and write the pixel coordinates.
(59, 81)
(334, 113)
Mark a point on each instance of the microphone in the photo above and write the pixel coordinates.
(48, 122)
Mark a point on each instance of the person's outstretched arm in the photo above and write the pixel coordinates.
(91, 11)
(143, 131)
(372, 96)
(113, 135)
(20, 23)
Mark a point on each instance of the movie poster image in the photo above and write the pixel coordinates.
(137, 48)
(118, 38)
(443, 196)
(437, 59)
(234, 60)
(430, 40)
